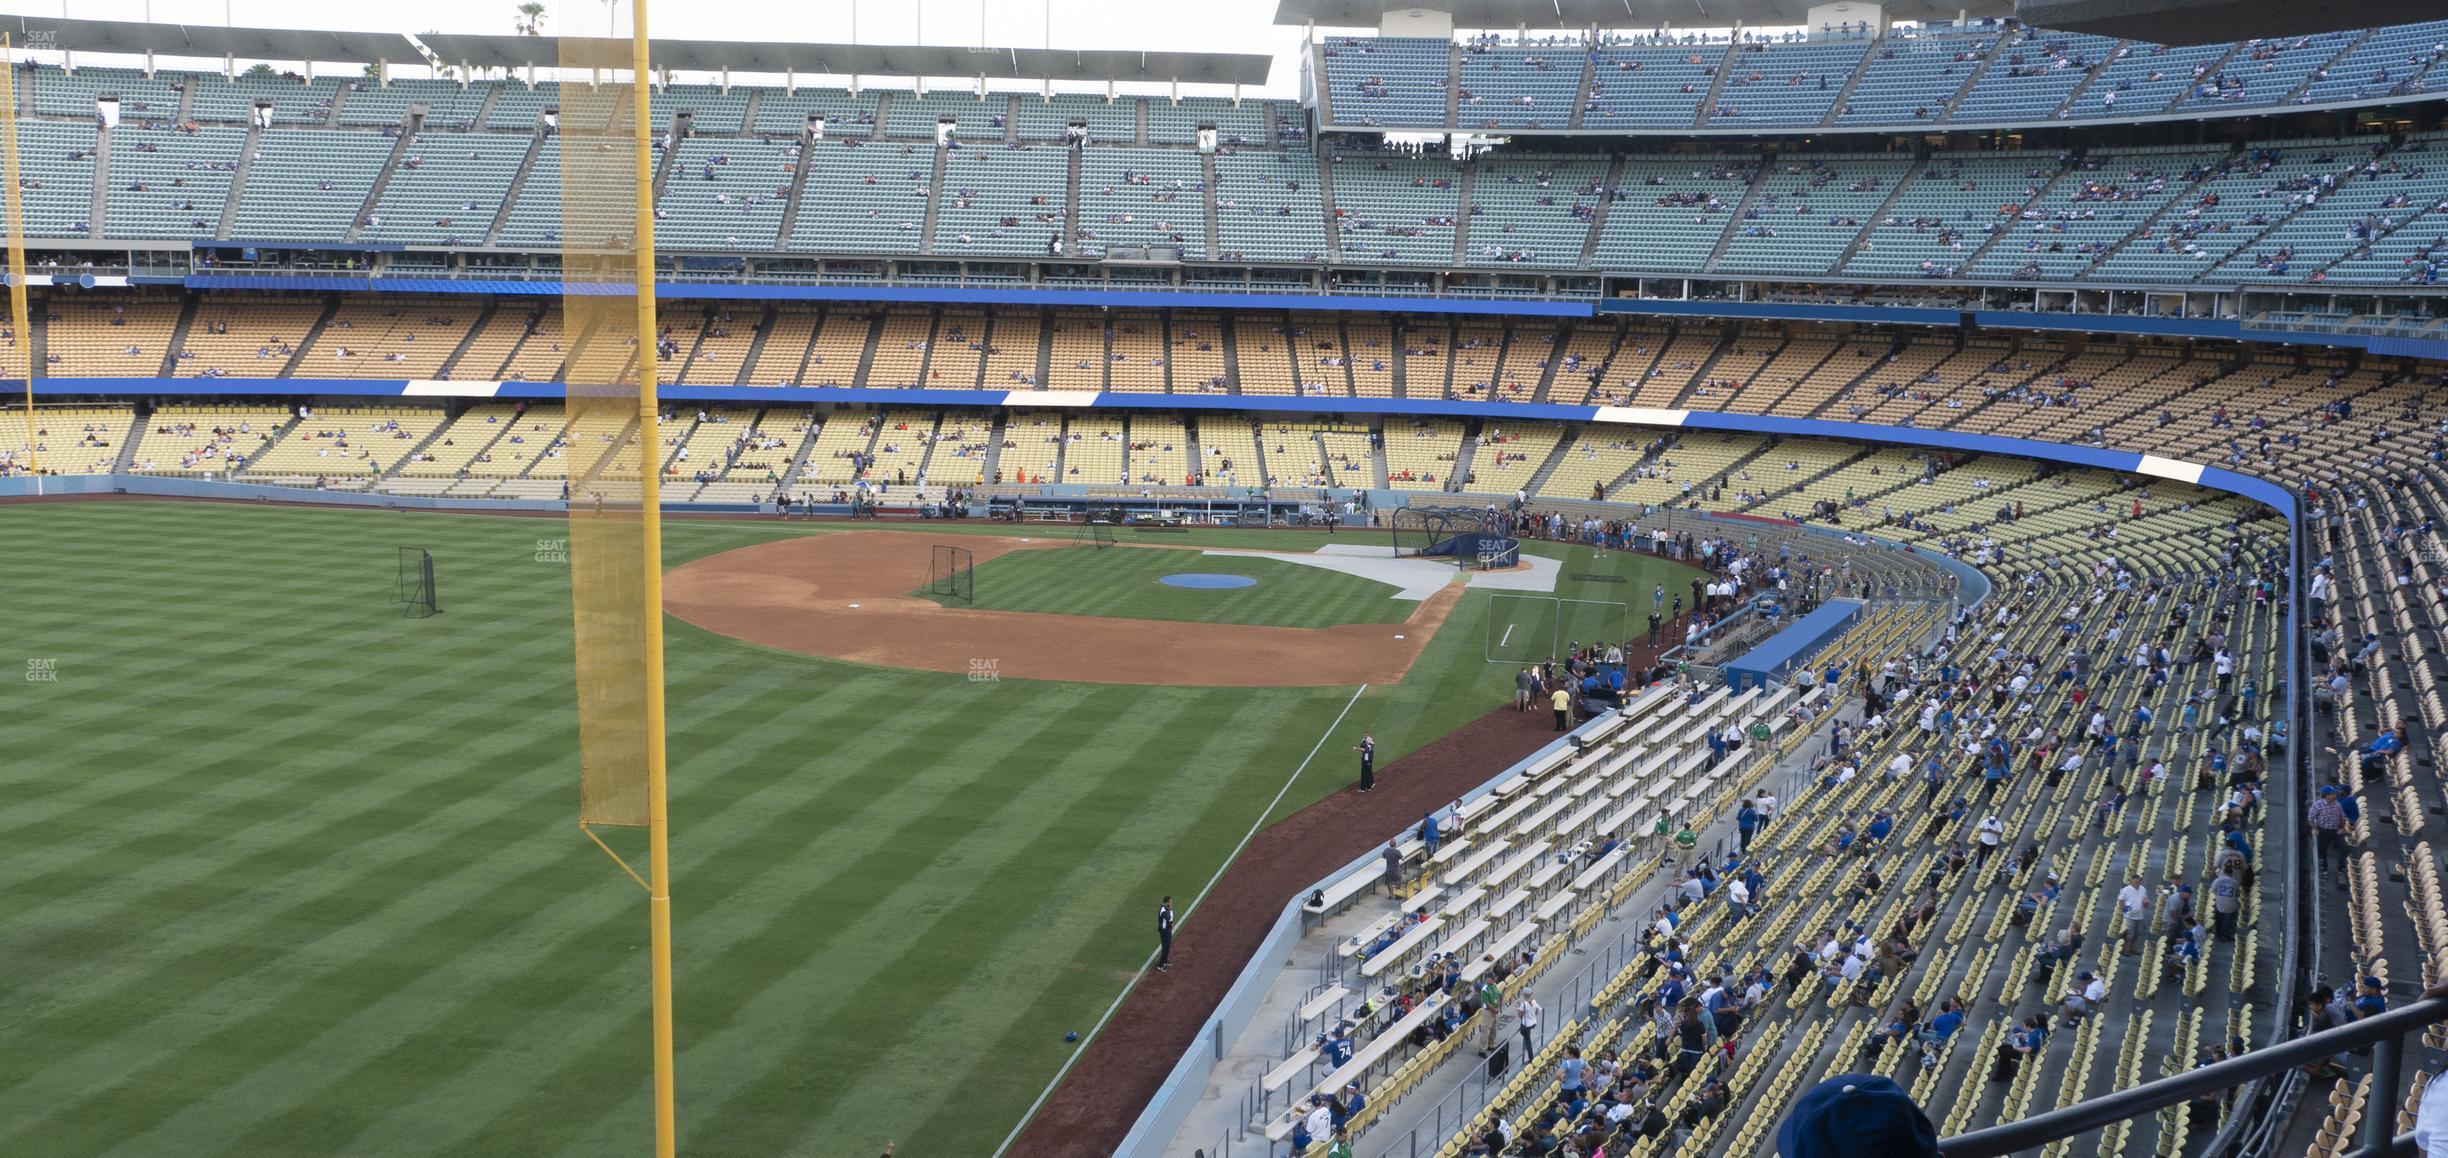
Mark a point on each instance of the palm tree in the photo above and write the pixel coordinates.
(531, 18)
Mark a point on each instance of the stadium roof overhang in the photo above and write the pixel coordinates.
(1615, 13)
(2186, 22)
(133, 38)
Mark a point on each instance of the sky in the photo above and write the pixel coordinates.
(1243, 26)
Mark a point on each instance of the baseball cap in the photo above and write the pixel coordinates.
(1856, 1116)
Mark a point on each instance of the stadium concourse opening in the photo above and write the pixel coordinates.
(847, 595)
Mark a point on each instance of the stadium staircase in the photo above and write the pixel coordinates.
(1547, 365)
(1581, 94)
(883, 115)
(1459, 474)
(867, 353)
(1598, 212)
(518, 181)
(1717, 85)
(484, 111)
(2147, 231)
(95, 223)
(798, 460)
(2242, 255)
(748, 113)
(2313, 77)
(2092, 77)
(2006, 228)
(1326, 203)
(186, 111)
(1258, 446)
(1462, 213)
(1871, 221)
(934, 202)
(484, 317)
(410, 123)
(1225, 344)
(1139, 119)
(1207, 203)
(997, 429)
(1325, 99)
(1381, 475)
(289, 424)
(392, 471)
(678, 131)
(756, 343)
(238, 180)
(1453, 85)
(339, 101)
(1071, 195)
(673, 442)
(126, 462)
(798, 192)
(2211, 70)
(1853, 81)
(297, 356)
(178, 338)
(1946, 109)
(1547, 466)
(1725, 236)
(1400, 337)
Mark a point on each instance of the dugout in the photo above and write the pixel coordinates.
(1781, 653)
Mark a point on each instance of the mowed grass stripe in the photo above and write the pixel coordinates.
(395, 1040)
(867, 888)
(534, 1004)
(247, 807)
(998, 997)
(261, 644)
(950, 931)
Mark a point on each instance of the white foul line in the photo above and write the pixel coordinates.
(1255, 825)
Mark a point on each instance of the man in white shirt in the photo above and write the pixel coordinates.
(2134, 902)
(1991, 831)
(1527, 1013)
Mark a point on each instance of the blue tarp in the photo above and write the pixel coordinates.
(1796, 643)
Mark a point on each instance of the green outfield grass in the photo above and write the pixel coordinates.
(1122, 582)
(287, 874)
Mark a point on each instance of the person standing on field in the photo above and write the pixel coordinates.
(1367, 747)
(1164, 935)
(1563, 709)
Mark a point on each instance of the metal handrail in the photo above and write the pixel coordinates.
(2386, 1032)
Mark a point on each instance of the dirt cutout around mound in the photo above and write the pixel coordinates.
(846, 595)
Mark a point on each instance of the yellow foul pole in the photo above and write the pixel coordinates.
(16, 243)
(658, 823)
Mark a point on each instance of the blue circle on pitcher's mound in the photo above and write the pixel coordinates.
(1207, 581)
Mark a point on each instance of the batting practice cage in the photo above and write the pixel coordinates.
(951, 574)
(1462, 534)
(1099, 535)
(415, 586)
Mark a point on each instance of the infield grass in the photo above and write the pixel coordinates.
(1124, 583)
(286, 874)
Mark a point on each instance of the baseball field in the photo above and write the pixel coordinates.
(286, 873)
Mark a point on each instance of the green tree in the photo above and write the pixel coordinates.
(531, 19)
